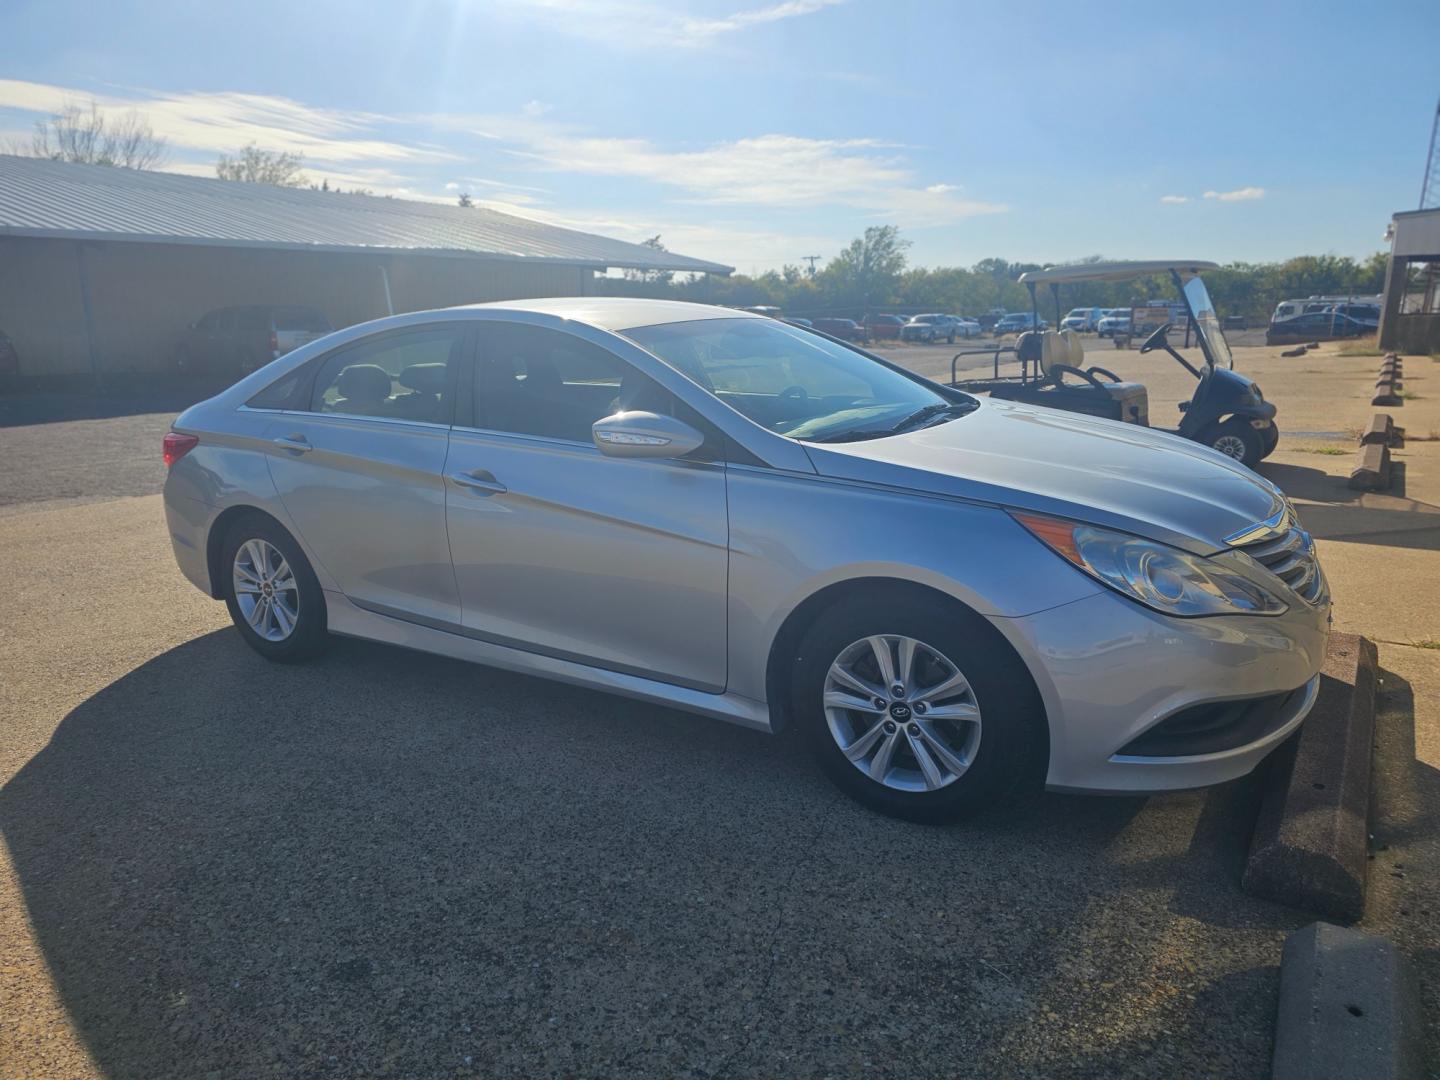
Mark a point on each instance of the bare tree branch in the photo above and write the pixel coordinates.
(89, 136)
(253, 165)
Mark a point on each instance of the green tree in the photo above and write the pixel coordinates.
(868, 270)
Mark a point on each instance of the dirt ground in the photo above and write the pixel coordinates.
(392, 864)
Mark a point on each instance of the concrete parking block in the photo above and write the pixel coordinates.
(1309, 845)
(1382, 430)
(1372, 471)
(1349, 1008)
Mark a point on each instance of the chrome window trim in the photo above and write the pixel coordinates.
(389, 421)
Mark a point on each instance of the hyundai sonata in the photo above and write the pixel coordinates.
(949, 597)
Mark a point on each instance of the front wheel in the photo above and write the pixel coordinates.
(1235, 438)
(271, 592)
(917, 708)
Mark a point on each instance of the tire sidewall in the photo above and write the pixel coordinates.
(309, 636)
(1011, 755)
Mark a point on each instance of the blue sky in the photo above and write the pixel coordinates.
(756, 132)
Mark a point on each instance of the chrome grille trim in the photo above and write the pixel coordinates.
(1286, 550)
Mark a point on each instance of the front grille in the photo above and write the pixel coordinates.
(1290, 557)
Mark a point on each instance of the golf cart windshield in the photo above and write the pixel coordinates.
(1207, 325)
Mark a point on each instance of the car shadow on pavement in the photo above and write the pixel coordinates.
(392, 863)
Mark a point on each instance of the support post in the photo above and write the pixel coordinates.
(85, 306)
(385, 285)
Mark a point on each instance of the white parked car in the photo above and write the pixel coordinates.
(1118, 319)
(1083, 319)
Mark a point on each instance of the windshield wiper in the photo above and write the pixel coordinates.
(906, 423)
(929, 412)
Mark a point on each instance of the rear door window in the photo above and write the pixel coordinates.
(400, 376)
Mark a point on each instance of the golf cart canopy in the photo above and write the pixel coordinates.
(1114, 271)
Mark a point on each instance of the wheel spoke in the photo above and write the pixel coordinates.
(246, 574)
(256, 550)
(955, 684)
(284, 581)
(905, 668)
(861, 746)
(880, 763)
(249, 588)
(948, 757)
(842, 674)
(836, 699)
(933, 779)
(283, 619)
(955, 711)
(256, 615)
(883, 660)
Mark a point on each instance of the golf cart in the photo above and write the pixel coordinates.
(1226, 412)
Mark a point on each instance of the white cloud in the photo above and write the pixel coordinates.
(224, 122)
(1174, 200)
(452, 186)
(1243, 194)
(638, 24)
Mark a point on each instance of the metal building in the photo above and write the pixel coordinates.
(1410, 317)
(102, 269)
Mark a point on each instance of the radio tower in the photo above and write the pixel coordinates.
(1430, 189)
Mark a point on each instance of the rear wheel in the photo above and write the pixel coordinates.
(916, 708)
(1269, 439)
(271, 592)
(1237, 439)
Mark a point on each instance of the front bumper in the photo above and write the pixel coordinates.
(1110, 670)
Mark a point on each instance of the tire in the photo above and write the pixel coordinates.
(302, 607)
(1005, 745)
(1235, 438)
(1269, 439)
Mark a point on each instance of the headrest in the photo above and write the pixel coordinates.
(1060, 347)
(425, 378)
(1075, 347)
(364, 382)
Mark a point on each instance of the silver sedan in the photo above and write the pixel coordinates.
(951, 598)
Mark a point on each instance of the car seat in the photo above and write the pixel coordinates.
(426, 382)
(363, 388)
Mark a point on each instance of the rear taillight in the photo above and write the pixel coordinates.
(175, 446)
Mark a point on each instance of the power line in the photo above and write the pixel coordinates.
(812, 260)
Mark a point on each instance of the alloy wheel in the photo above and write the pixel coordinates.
(266, 590)
(1231, 446)
(902, 713)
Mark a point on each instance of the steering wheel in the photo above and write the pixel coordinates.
(1103, 371)
(1157, 339)
(1059, 371)
(793, 393)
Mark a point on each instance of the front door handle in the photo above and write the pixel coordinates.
(481, 481)
(296, 442)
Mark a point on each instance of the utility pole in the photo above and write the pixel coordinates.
(812, 260)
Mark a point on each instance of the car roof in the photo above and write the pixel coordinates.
(619, 312)
(1114, 271)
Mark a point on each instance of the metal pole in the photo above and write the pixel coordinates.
(385, 283)
(89, 315)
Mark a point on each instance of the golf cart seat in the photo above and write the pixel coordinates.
(1064, 382)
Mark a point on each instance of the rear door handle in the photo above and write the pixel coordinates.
(481, 481)
(296, 442)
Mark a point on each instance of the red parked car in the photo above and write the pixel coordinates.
(844, 329)
(883, 327)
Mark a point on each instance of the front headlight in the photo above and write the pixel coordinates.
(1161, 577)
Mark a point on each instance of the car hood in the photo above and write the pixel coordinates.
(1028, 457)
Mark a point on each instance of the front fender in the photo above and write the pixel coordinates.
(793, 535)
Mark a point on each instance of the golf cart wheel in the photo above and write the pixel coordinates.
(1270, 438)
(917, 708)
(1235, 438)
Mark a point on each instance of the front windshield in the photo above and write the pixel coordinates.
(1207, 325)
(789, 380)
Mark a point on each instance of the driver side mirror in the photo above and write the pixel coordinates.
(644, 435)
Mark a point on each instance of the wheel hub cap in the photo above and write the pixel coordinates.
(265, 590)
(902, 713)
